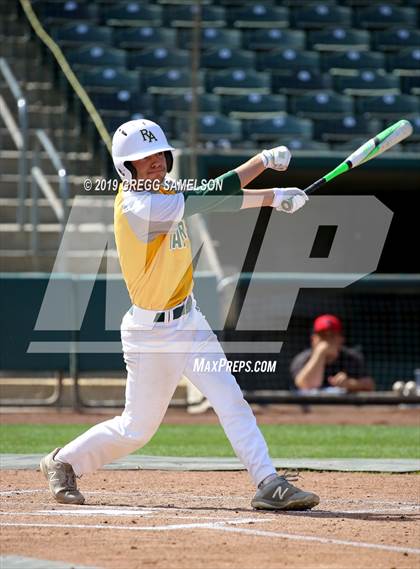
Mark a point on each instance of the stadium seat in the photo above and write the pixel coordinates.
(338, 39)
(180, 105)
(184, 16)
(321, 15)
(123, 100)
(96, 56)
(224, 57)
(396, 39)
(69, 11)
(367, 82)
(212, 37)
(169, 81)
(389, 105)
(415, 123)
(210, 127)
(299, 81)
(322, 105)
(253, 105)
(109, 79)
(238, 82)
(273, 38)
(406, 62)
(296, 144)
(158, 57)
(278, 127)
(385, 15)
(71, 35)
(259, 15)
(411, 85)
(287, 59)
(132, 14)
(353, 60)
(345, 128)
(144, 37)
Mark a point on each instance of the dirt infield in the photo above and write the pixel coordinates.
(266, 415)
(169, 520)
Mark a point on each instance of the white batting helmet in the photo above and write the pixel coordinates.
(138, 139)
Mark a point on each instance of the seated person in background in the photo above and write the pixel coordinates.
(328, 362)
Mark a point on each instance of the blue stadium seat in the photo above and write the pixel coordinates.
(184, 16)
(159, 57)
(96, 56)
(259, 15)
(410, 85)
(122, 100)
(321, 15)
(389, 106)
(396, 38)
(67, 11)
(385, 15)
(169, 81)
(132, 14)
(406, 62)
(338, 39)
(238, 82)
(277, 128)
(346, 128)
(353, 60)
(146, 36)
(109, 79)
(180, 105)
(368, 82)
(287, 59)
(210, 127)
(273, 38)
(224, 57)
(300, 81)
(211, 37)
(297, 144)
(322, 105)
(253, 105)
(71, 35)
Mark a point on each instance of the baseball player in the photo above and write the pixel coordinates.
(164, 331)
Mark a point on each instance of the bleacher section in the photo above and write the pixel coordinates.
(317, 74)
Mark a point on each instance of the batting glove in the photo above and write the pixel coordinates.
(276, 158)
(289, 200)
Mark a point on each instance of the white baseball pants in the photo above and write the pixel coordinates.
(156, 357)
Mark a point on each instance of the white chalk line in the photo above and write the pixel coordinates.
(226, 527)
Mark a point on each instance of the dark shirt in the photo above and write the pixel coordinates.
(349, 360)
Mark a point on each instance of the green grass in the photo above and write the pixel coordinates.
(284, 441)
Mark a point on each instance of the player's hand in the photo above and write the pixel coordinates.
(340, 379)
(289, 200)
(277, 158)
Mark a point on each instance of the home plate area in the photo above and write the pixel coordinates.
(195, 519)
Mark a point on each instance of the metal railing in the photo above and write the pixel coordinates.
(18, 134)
(39, 181)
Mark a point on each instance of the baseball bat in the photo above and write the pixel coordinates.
(368, 150)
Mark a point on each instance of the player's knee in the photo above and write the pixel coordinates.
(138, 436)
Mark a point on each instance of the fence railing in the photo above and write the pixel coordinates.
(18, 134)
(39, 181)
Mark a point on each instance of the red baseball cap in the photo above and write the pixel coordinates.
(327, 322)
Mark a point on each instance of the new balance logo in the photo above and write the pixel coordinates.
(280, 493)
(148, 135)
(53, 475)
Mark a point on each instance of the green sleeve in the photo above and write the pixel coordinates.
(221, 194)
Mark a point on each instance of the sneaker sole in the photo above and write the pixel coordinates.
(301, 504)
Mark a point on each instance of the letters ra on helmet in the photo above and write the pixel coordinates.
(135, 140)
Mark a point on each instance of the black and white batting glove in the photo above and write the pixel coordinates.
(277, 158)
(289, 200)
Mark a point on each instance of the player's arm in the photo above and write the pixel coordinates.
(352, 384)
(231, 195)
(311, 375)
